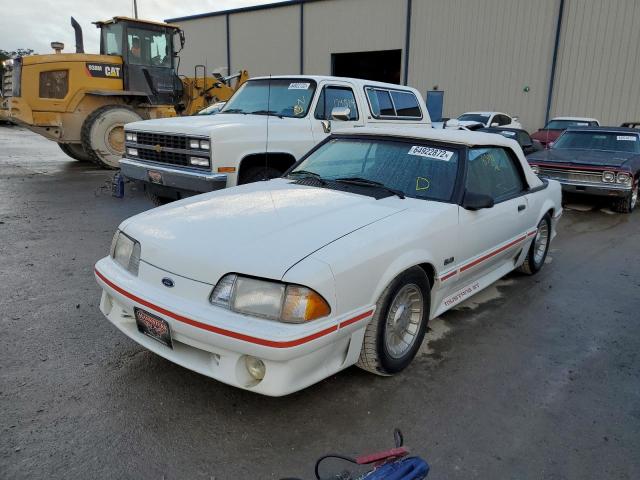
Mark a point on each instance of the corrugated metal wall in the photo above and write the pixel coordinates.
(482, 53)
(266, 42)
(206, 44)
(598, 72)
(339, 26)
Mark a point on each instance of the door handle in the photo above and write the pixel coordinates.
(521, 207)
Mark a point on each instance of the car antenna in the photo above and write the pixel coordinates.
(266, 147)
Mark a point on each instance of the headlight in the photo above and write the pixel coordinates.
(8, 63)
(265, 298)
(608, 177)
(623, 178)
(535, 169)
(132, 151)
(126, 251)
(132, 137)
(198, 144)
(199, 161)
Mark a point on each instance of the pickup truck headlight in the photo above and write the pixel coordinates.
(126, 251)
(623, 178)
(198, 144)
(269, 299)
(131, 137)
(608, 177)
(199, 161)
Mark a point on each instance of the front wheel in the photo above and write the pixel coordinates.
(75, 151)
(397, 329)
(537, 253)
(628, 203)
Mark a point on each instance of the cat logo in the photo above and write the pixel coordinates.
(157, 148)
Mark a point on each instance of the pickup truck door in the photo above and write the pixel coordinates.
(490, 238)
(335, 94)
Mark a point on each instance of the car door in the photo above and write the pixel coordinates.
(331, 96)
(490, 238)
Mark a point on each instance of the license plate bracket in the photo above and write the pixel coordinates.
(153, 326)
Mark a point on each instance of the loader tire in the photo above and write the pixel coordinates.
(75, 151)
(103, 134)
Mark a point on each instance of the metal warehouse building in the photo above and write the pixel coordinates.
(532, 58)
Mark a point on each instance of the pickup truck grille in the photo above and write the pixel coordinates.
(164, 140)
(169, 158)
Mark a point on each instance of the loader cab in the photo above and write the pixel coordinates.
(148, 53)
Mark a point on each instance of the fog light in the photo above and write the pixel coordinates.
(255, 367)
(199, 161)
(132, 151)
(608, 177)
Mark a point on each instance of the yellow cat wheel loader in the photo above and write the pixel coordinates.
(82, 100)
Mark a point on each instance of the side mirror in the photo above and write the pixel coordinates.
(495, 124)
(340, 113)
(476, 201)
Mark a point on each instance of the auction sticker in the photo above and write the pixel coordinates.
(430, 152)
(627, 138)
(508, 133)
(299, 86)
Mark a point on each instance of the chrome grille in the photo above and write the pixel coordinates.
(577, 176)
(164, 140)
(169, 158)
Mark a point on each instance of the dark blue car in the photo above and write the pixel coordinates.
(602, 161)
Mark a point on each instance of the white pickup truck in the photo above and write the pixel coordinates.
(269, 124)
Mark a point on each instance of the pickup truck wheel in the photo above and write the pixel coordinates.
(256, 174)
(75, 151)
(628, 203)
(103, 134)
(537, 253)
(397, 329)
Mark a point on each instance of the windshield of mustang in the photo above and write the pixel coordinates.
(279, 97)
(612, 141)
(407, 168)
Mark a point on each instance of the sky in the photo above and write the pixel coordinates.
(36, 23)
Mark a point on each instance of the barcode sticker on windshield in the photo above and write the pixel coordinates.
(627, 138)
(429, 152)
(299, 86)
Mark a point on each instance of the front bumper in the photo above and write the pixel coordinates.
(173, 178)
(212, 341)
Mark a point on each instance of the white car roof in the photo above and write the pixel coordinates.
(357, 81)
(462, 137)
(483, 113)
(576, 119)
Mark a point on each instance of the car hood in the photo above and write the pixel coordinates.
(260, 229)
(582, 157)
(546, 136)
(198, 124)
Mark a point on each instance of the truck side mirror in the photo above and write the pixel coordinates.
(476, 201)
(340, 113)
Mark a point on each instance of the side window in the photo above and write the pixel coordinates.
(334, 96)
(380, 101)
(406, 104)
(492, 171)
(503, 119)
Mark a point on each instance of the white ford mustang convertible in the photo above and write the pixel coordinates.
(276, 285)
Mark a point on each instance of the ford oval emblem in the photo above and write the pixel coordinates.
(167, 282)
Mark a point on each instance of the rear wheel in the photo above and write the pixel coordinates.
(256, 174)
(397, 329)
(537, 253)
(75, 151)
(103, 134)
(628, 203)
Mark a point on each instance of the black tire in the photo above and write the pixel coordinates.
(534, 262)
(375, 355)
(102, 134)
(257, 174)
(628, 203)
(75, 151)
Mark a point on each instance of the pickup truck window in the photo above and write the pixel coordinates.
(282, 97)
(492, 172)
(381, 104)
(406, 104)
(334, 96)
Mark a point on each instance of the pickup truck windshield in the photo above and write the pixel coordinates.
(416, 169)
(612, 141)
(278, 96)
